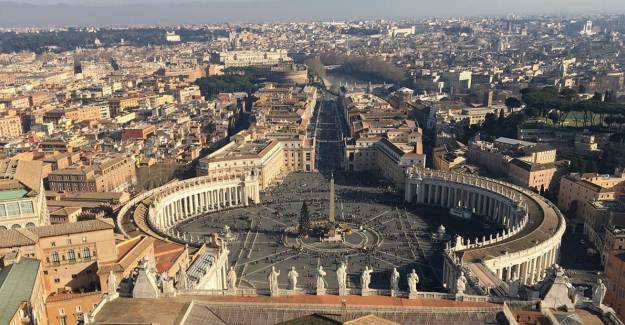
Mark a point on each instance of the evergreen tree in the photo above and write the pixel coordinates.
(304, 219)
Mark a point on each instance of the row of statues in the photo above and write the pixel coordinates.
(321, 283)
(341, 275)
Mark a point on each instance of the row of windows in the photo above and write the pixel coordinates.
(71, 256)
(68, 241)
(16, 208)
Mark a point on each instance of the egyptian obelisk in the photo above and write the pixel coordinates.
(331, 214)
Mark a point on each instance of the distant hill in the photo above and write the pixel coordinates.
(180, 12)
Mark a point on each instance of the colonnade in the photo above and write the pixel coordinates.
(492, 205)
(181, 205)
(529, 269)
(524, 215)
(181, 201)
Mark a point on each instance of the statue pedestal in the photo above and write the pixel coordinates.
(342, 291)
(460, 296)
(393, 293)
(321, 292)
(112, 296)
(365, 292)
(413, 295)
(274, 294)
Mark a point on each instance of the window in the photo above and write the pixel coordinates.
(53, 244)
(69, 241)
(71, 256)
(26, 206)
(86, 253)
(12, 209)
(55, 257)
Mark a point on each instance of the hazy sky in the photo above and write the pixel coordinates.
(117, 12)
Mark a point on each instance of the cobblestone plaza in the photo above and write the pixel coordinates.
(386, 233)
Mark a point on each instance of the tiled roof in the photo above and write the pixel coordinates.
(16, 238)
(74, 228)
(27, 172)
(25, 237)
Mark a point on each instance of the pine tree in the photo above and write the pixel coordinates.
(304, 219)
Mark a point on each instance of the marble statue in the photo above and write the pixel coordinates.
(395, 280)
(273, 281)
(321, 281)
(182, 279)
(461, 284)
(413, 279)
(341, 276)
(365, 278)
(112, 283)
(598, 293)
(293, 278)
(232, 278)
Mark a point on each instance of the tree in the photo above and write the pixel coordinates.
(304, 220)
(554, 117)
(513, 102)
(315, 66)
(568, 93)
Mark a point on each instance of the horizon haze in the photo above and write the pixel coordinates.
(43, 13)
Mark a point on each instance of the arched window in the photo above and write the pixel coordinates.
(30, 225)
(16, 226)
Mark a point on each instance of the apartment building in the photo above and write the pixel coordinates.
(112, 174)
(22, 195)
(10, 126)
(69, 253)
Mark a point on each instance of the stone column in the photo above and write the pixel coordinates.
(429, 194)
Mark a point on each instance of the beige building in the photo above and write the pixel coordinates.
(69, 253)
(10, 127)
(107, 175)
(614, 278)
(269, 159)
(593, 200)
(238, 59)
(382, 138)
(387, 158)
(22, 196)
(524, 163)
(277, 144)
(70, 308)
(531, 175)
(578, 190)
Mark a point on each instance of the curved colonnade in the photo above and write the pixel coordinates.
(528, 245)
(158, 211)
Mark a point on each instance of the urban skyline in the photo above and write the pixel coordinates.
(78, 13)
(332, 168)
